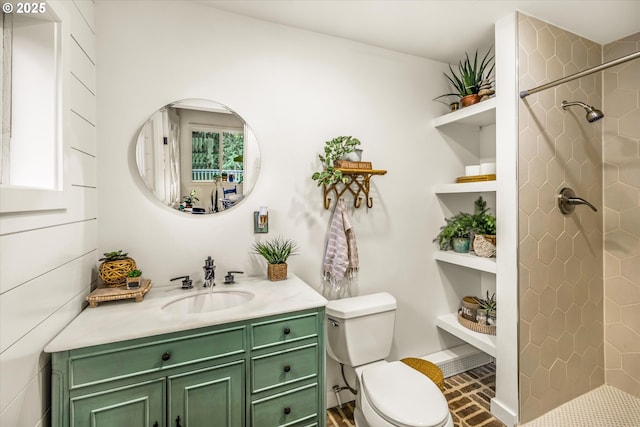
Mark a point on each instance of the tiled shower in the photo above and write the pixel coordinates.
(579, 275)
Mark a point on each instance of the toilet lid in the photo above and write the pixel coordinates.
(404, 396)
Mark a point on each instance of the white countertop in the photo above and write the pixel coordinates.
(123, 320)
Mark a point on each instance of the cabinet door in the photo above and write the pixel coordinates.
(208, 397)
(140, 405)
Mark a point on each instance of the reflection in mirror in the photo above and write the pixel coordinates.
(197, 156)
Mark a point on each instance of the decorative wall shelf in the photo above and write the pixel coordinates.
(467, 260)
(467, 187)
(358, 184)
(480, 114)
(484, 342)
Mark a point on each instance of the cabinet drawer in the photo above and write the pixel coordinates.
(279, 331)
(116, 361)
(286, 408)
(275, 369)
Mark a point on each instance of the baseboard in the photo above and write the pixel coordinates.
(503, 413)
(456, 360)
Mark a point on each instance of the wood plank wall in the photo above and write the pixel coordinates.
(47, 259)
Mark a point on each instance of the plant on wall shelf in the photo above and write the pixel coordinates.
(482, 221)
(470, 76)
(334, 150)
(457, 226)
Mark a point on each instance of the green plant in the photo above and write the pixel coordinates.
(457, 226)
(134, 273)
(190, 198)
(482, 222)
(469, 78)
(489, 303)
(276, 251)
(114, 256)
(334, 150)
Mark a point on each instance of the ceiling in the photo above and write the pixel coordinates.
(439, 30)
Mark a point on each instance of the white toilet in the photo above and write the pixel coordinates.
(359, 334)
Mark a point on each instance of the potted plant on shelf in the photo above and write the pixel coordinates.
(471, 78)
(115, 267)
(490, 305)
(276, 252)
(134, 277)
(334, 149)
(483, 225)
(455, 233)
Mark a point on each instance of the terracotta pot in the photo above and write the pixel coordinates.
(469, 100)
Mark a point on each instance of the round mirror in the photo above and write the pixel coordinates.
(197, 156)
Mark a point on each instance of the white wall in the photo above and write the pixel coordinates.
(47, 258)
(296, 89)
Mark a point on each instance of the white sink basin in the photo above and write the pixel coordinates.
(206, 302)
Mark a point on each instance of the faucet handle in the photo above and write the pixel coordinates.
(229, 279)
(186, 282)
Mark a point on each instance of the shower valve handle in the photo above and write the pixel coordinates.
(567, 201)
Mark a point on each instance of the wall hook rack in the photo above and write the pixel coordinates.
(358, 183)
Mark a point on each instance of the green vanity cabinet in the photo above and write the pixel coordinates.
(259, 372)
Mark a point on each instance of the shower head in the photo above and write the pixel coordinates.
(593, 114)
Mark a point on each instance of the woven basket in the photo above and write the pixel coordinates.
(476, 327)
(484, 245)
(114, 273)
(277, 272)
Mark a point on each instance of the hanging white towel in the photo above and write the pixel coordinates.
(341, 253)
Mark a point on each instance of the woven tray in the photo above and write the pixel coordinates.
(476, 178)
(115, 294)
(483, 329)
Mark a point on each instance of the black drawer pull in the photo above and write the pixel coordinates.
(287, 368)
(178, 422)
(155, 424)
(287, 410)
(166, 356)
(287, 331)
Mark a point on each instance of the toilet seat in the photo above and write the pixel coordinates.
(404, 397)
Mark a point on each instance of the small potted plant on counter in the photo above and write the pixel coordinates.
(134, 277)
(115, 267)
(188, 201)
(276, 252)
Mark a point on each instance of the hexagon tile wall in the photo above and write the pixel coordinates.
(561, 257)
(622, 217)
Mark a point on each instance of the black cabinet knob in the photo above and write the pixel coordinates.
(287, 368)
(178, 422)
(166, 356)
(287, 410)
(287, 331)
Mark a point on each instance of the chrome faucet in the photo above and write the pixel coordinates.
(209, 272)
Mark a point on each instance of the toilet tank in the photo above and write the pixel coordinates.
(360, 329)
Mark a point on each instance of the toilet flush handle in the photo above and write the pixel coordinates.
(334, 323)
